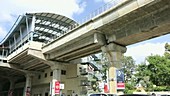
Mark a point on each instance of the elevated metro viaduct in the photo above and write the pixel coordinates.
(40, 44)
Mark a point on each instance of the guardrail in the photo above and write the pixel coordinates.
(100, 10)
(12, 28)
(107, 6)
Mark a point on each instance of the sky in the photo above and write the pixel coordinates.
(77, 10)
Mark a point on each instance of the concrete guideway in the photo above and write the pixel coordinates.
(129, 23)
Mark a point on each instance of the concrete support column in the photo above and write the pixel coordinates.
(56, 71)
(27, 89)
(114, 53)
(56, 76)
(12, 86)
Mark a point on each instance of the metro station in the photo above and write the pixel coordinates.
(42, 50)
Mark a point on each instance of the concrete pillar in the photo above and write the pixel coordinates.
(114, 53)
(12, 86)
(27, 89)
(56, 71)
(56, 76)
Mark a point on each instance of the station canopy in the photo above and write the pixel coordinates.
(49, 26)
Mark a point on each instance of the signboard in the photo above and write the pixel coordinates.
(57, 87)
(106, 89)
(61, 86)
(120, 79)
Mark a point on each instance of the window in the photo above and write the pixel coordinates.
(51, 73)
(63, 72)
(45, 75)
(39, 76)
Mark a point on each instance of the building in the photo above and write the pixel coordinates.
(27, 57)
(20, 68)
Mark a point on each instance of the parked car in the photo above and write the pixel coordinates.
(135, 95)
(110, 94)
(102, 94)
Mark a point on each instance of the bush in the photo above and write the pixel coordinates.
(168, 88)
(160, 88)
(129, 91)
(129, 88)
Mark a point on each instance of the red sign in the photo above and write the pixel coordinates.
(106, 89)
(121, 85)
(120, 79)
(57, 87)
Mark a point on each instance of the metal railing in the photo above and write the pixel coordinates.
(12, 28)
(100, 10)
(107, 6)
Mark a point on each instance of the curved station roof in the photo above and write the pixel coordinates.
(46, 27)
(49, 26)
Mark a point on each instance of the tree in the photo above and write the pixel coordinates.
(128, 67)
(159, 67)
(142, 76)
(101, 62)
(128, 64)
(167, 51)
(105, 66)
(167, 47)
(156, 72)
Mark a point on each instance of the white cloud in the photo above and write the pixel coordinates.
(82, 8)
(11, 9)
(67, 8)
(141, 51)
(5, 17)
(2, 32)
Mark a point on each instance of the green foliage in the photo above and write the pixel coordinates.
(128, 67)
(160, 88)
(105, 64)
(167, 55)
(102, 61)
(167, 51)
(94, 86)
(167, 47)
(129, 89)
(103, 71)
(142, 76)
(168, 88)
(156, 72)
(159, 67)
